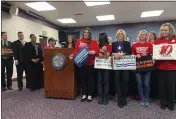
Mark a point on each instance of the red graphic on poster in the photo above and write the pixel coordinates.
(166, 49)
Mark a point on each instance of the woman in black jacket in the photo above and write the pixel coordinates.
(119, 48)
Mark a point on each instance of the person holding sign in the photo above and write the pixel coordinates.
(103, 74)
(120, 48)
(6, 62)
(141, 49)
(166, 68)
(87, 70)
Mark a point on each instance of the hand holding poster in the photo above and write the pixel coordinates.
(102, 63)
(127, 62)
(164, 52)
(144, 64)
(81, 57)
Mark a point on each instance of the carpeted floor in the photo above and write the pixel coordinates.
(33, 105)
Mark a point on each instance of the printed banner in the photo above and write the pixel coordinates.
(127, 62)
(144, 64)
(103, 63)
(6, 51)
(81, 57)
(164, 52)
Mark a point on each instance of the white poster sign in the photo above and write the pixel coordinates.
(127, 62)
(103, 63)
(164, 52)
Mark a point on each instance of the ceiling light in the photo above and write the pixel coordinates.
(152, 13)
(105, 17)
(40, 6)
(94, 3)
(66, 20)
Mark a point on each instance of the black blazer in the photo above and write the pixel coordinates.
(30, 52)
(126, 47)
(18, 51)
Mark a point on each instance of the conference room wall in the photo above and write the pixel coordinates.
(13, 24)
(130, 28)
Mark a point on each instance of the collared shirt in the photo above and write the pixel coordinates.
(36, 48)
(22, 42)
(4, 43)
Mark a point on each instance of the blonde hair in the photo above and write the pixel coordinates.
(139, 33)
(171, 30)
(124, 34)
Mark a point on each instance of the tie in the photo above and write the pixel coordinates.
(5, 44)
(22, 42)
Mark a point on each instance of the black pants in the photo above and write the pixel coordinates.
(103, 82)
(21, 67)
(87, 77)
(154, 84)
(167, 80)
(35, 75)
(121, 83)
(8, 65)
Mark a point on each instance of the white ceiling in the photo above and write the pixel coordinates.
(125, 12)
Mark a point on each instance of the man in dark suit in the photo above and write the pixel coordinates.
(18, 49)
(6, 62)
(33, 59)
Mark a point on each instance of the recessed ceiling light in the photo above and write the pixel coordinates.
(40, 6)
(152, 13)
(94, 3)
(105, 17)
(66, 20)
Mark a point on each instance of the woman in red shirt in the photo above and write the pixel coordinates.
(152, 37)
(87, 70)
(103, 74)
(140, 49)
(51, 43)
(166, 68)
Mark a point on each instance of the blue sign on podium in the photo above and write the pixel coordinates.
(81, 57)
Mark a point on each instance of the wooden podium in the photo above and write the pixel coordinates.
(59, 83)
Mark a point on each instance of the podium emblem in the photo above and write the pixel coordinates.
(58, 61)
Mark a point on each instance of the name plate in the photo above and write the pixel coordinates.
(164, 52)
(101, 63)
(127, 62)
(81, 57)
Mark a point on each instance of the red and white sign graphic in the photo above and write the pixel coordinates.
(164, 52)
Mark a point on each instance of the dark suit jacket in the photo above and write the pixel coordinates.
(126, 47)
(18, 51)
(30, 52)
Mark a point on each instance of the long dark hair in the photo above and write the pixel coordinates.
(73, 41)
(90, 35)
(103, 39)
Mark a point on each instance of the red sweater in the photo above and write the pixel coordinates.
(109, 49)
(93, 46)
(166, 64)
(142, 48)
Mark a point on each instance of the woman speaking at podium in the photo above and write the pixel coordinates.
(87, 70)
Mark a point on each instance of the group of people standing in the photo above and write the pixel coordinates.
(28, 57)
(140, 48)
